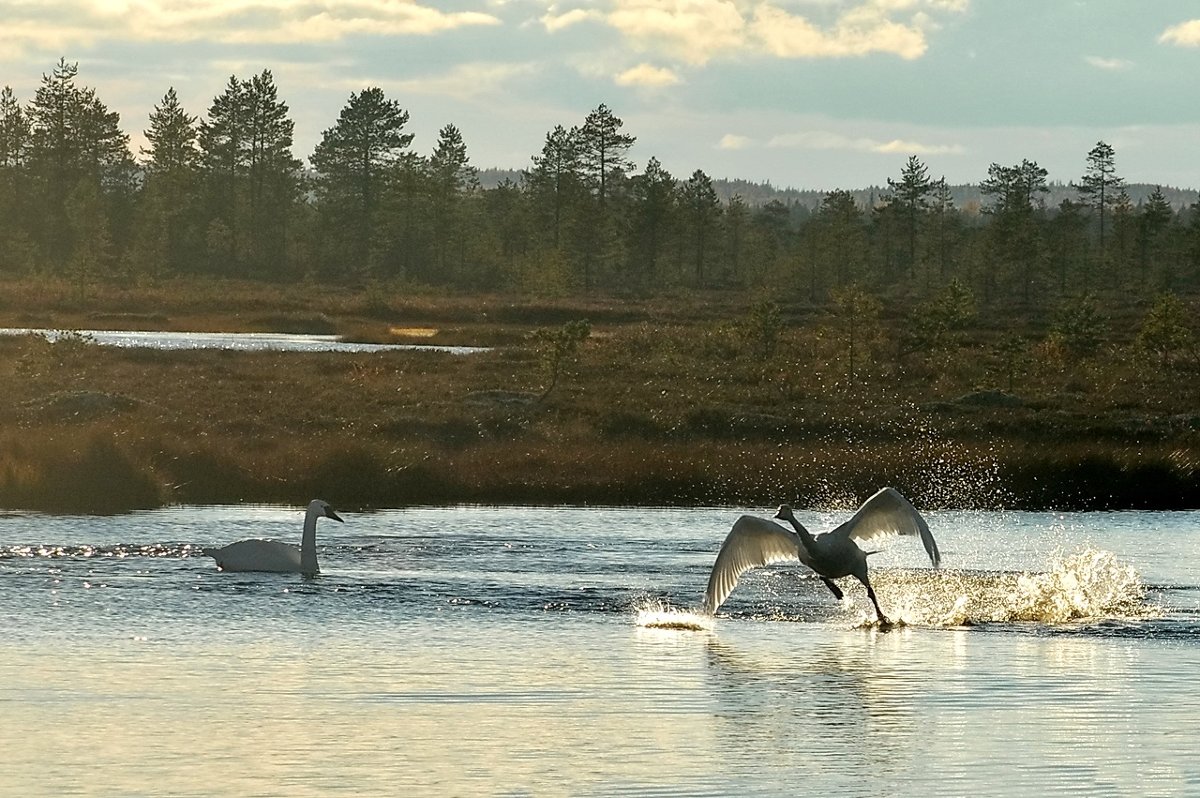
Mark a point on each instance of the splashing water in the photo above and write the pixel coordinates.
(657, 615)
(1090, 585)
(1087, 586)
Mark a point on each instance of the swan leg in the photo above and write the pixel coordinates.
(883, 621)
(834, 589)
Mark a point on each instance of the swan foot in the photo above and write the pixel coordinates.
(887, 624)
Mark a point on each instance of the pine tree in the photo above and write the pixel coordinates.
(554, 182)
(1155, 218)
(74, 137)
(508, 215)
(352, 163)
(16, 250)
(911, 193)
(1165, 330)
(702, 209)
(603, 166)
(602, 151)
(91, 254)
(165, 226)
(452, 180)
(172, 137)
(1100, 187)
(1016, 205)
(946, 221)
(223, 139)
(274, 179)
(654, 201)
(252, 177)
(15, 132)
(840, 241)
(737, 217)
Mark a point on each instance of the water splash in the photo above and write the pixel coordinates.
(1087, 586)
(658, 615)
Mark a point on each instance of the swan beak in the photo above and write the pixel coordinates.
(329, 513)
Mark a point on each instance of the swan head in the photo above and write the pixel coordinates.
(323, 507)
(785, 513)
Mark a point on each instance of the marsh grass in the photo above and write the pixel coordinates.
(665, 403)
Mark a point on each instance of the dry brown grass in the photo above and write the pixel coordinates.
(664, 406)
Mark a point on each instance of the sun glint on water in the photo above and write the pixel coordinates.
(657, 615)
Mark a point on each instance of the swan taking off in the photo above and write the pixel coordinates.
(273, 556)
(754, 542)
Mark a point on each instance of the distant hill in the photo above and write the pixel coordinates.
(964, 196)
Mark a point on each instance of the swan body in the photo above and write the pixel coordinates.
(754, 542)
(273, 556)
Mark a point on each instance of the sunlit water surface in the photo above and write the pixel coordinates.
(553, 651)
(240, 342)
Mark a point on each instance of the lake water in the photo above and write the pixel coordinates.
(506, 652)
(240, 342)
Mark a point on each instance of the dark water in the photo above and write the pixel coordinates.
(514, 651)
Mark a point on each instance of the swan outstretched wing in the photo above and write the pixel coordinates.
(751, 543)
(889, 513)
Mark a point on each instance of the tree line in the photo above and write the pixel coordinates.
(225, 194)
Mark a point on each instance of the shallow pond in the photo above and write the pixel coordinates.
(247, 342)
(511, 651)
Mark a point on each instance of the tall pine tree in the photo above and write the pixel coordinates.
(352, 163)
(1101, 187)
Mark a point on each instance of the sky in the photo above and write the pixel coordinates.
(805, 94)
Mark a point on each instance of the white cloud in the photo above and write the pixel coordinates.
(829, 140)
(905, 147)
(857, 32)
(1111, 64)
(1185, 34)
(689, 30)
(696, 31)
(554, 22)
(647, 75)
(69, 23)
(732, 141)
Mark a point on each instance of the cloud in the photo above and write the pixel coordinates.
(69, 23)
(732, 141)
(828, 140)
(905, 147)
(1111, 64)
(696, 31)
(689, 30)
(554, 22)
(859, 31)
(647, 75)
(1185, 34)
(464, 81)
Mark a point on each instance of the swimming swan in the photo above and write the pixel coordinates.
(754, 542)
(273, 556)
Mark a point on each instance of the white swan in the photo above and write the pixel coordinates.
(273, 556)
(754, 542)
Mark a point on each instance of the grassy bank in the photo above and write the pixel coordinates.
(667, 402)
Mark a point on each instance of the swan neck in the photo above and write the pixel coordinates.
(308, 543)
(805, 536)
